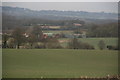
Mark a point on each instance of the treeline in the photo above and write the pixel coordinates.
(11, 22)
(103, 30)
(33, 38)
(92, 30)
(76, 44)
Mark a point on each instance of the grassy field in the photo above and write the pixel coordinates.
(94, 41)
(58, 63)
(59, 31)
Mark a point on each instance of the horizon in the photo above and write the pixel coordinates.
(60, 10)
(107, 7)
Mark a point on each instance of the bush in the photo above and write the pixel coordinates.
(111, 47)
(75, 44)
(87, 46)
(101, 45)
(52, 43)
(11, 43)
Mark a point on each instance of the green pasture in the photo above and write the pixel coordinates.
(58, 63)
(94, 41)
(58, 31)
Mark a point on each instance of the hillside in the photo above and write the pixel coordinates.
(52, 14)
(15, 17)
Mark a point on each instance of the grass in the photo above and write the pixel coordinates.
(94, 41)
(58, 63)
(59, 31)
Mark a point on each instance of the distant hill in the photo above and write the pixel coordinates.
(57, 15)
(20, 17)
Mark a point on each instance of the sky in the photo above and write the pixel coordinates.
(111, 7)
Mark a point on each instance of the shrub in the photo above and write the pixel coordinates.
(110, 47)
(101, 45)
(11, 43)
(87, 46)
(52, 43)
(75, 44)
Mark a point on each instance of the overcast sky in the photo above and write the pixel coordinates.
(67, 6)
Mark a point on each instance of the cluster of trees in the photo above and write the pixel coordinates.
(75, 44)
(103, 46)
(51, 43)
(103, 30)
(14, 40)
(93, 30)
(11, 22)
(34, 40)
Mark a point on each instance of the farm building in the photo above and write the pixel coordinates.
(51, 35)
(47, 35)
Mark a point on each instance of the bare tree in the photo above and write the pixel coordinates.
(101, 45)
(37, 32)
(18, 36)
(5, 37)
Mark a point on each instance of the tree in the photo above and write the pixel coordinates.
(31, 39)
(103, 30)
(5, 37)
(35, 35)
(11, 43)
(18, 36)
(74, 44)
(37, 32)
(101, 45)
(51, 43)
